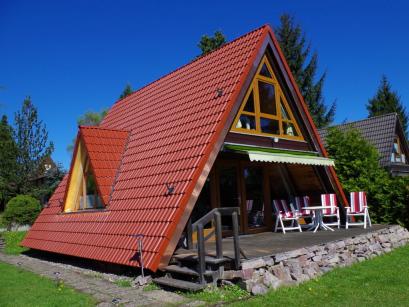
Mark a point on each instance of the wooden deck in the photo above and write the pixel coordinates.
(270, 243)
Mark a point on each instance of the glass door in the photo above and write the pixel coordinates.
(228, 192)
(254, 205)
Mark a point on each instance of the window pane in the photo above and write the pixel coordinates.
(269, 126)
(289, 129)
(249, 107)
(253, 177)
(264, 71)
(246, 122)
(267, 98)
(284, 112)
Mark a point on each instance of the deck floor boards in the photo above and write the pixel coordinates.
(270, 243)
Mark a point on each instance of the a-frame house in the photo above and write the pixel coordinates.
(229, 129)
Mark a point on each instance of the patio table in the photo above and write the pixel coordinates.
(318, 221)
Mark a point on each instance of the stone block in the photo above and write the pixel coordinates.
(247, 273)
(253, 264)
(259, 289)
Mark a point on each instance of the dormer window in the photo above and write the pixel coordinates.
(265, 110)
(82, 193)
(397, 155)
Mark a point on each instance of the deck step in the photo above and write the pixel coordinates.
(195, 257)
(185, 270)
(179, 284)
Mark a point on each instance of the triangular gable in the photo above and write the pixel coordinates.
(96, 161)
(265, 110)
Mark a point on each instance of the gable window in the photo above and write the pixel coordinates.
(397, 155)
(265, 110)
(82, 191)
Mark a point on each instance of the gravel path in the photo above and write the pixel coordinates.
(105, 292)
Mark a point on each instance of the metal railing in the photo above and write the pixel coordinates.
(216, 216)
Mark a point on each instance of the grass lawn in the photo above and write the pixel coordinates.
(12, 240)
(382, 281)
(23, 288)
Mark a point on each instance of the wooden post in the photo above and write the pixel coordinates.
(201, 253)
(189, 234)
(219, 242)
(235, 221)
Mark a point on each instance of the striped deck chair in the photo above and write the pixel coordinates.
(359, 207)
(285, 213)
(302, 202)
(330, 201)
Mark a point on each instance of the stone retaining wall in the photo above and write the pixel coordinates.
(258, 275)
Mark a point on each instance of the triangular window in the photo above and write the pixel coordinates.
(82, 191)
(249, 107)
(265, 110)
(264, 71)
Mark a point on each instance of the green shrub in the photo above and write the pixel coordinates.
(21, 210)
(358, 169)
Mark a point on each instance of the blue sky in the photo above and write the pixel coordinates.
(74, 56)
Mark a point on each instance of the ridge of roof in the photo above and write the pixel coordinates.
(102, 128)
(372, 118)
(193, 61)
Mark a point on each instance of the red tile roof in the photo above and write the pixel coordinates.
(172, 123)
(175, 126)
(105, 148)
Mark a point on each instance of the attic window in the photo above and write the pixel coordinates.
(82, 191)
(265, 110)
(397, 155)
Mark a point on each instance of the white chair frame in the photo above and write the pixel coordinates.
(365, 214)
(280, 219)
(337, 223)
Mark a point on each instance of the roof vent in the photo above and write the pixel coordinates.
(219, 93)
(170, 189)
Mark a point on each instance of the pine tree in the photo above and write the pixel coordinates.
(210, 43)
(303, 66)
(126, 92)
(31, 138)
(8, 162)
(387, 101)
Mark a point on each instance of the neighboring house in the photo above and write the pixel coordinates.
(229, 129)
(46, 166)
(385, 132)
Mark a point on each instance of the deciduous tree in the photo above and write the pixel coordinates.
(210, 43)
(357, 166)
(126, 92)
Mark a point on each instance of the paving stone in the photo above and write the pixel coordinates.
(103, 290)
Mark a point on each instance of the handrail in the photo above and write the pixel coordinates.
(216, 216)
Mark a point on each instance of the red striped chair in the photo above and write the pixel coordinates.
(284, 213)
(301, 202)
(332, 210)
(359, 207)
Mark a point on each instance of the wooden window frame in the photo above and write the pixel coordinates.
(78, 183)
(279, 99)
(399, 152)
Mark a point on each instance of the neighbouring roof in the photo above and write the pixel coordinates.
(380, 131)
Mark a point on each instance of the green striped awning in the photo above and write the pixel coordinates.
(281, 156)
